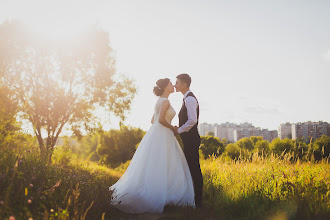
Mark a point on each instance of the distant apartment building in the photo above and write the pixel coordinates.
(233, 132)
(285, 130)
(204, 128)
(268, 135)
(310, 129)
(273, 134)
(225, 130)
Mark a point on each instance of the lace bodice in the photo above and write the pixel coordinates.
(169, 114)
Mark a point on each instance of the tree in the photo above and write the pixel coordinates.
(255, 139)
(300, 148)
(232, 150)
(211, 145)
(322, 147)
(262, 146)
(118, 146)
(8, 111)
(245, 143)
(277, 146)
(60, 82)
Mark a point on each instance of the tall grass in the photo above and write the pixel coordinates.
(32, 188)
(254, 188)
(261, 187)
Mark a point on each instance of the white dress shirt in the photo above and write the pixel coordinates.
(191, 105)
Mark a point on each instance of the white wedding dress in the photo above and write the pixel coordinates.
(158, 173)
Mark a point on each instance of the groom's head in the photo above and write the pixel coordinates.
(183, 82)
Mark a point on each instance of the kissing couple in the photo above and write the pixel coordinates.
(160, 173)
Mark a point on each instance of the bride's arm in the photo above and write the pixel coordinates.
(163, 110)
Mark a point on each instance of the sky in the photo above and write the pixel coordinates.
(262, 62)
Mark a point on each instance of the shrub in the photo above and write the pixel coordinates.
(232, 150)
(245, 143)
(211, 146)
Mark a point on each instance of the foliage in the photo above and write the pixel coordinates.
(233, 189)
(245, 147)
(32, 188)
(232, 150)
(279, 146)
(255, 139)
(271, 187)
(211, 146)
(262, 147)
(8, 111)
(60, 82)
(118, 146)
(245, 143)
(322, 147)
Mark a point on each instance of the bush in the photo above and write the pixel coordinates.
(211, 146)
(232, 150)
(29, 187)
(322, 147)
(118, 146)
(245, 143)
(262, 146)
(279, 146)
(255, 139)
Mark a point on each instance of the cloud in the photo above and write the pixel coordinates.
(326, 55)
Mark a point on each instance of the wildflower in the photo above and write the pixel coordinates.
(30, 218)
(1, 203)
(57, 183)
(29, 151)
(11, 218)
(52, 210)
(31, 185)
(29, 201)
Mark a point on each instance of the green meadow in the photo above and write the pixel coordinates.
(259, 188)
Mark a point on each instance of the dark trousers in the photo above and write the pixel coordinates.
(190, 149)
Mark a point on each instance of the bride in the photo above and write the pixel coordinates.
(158, 173)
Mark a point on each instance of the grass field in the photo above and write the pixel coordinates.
(269, 188)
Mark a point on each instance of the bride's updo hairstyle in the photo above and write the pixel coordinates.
(160, 86)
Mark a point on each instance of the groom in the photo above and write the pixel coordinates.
(188, 122)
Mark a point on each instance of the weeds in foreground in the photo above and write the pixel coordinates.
(258, 188)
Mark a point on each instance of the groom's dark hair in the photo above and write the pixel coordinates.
(184, 77)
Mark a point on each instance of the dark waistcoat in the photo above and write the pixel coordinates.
(183, 118)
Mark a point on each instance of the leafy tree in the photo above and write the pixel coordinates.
(211, 145)
(262, 146)
(118, 146)
(8, 111)
(60, 82)
(245, 143)
(300, 148)
(255, 139)
(88, 146)
(277, 146)
(322, 147)
(233, 150)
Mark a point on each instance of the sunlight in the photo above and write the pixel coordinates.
(54, 28)
(58, 19)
